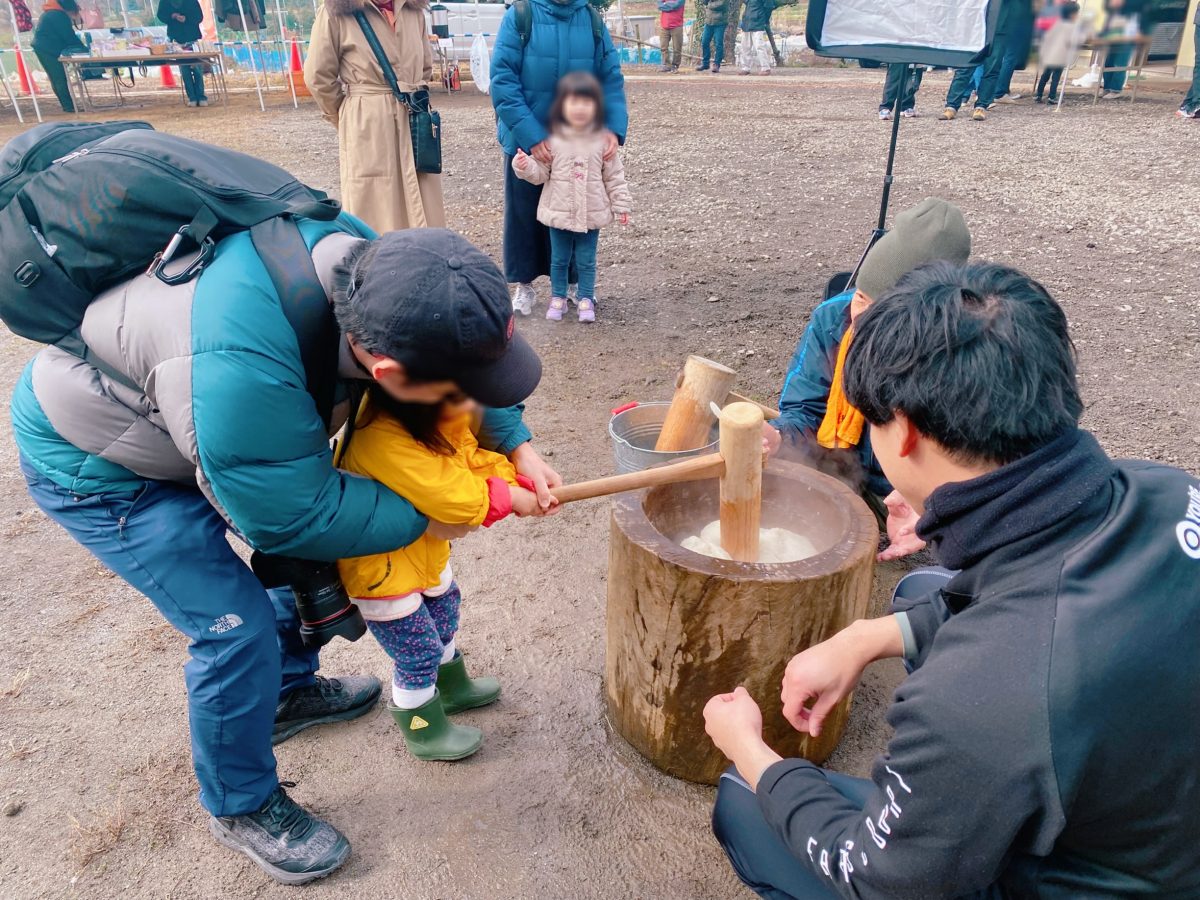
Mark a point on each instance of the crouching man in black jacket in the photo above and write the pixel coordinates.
(1046, 741)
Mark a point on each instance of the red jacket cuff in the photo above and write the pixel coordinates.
(526, 482)
(499, 501)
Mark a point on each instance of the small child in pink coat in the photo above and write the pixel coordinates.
(582, 192)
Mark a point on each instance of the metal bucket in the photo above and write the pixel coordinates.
(634, 430)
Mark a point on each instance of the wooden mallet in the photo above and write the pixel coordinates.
(739, 465)
(689, 420)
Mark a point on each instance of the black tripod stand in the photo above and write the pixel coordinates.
(845, 280)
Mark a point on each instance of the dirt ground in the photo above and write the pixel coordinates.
(749, 195)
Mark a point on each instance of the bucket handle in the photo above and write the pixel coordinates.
(625, 408)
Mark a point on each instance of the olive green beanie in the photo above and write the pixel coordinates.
(931, 230)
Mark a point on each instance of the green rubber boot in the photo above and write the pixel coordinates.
(459, 691)
(430, 735)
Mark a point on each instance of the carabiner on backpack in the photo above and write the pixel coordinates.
(158, 264)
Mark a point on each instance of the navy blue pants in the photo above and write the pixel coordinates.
(573, 250)
(1191, 103)
(985, 87)
(758, 854)
(897, 73)
(526, 240)
(712, 44)
(168, 542)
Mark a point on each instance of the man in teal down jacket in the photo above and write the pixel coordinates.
(209, 427)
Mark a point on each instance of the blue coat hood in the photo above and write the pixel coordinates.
(525, 76)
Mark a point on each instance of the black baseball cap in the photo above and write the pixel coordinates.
(436, 302)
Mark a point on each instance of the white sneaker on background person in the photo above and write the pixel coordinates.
(524, 298)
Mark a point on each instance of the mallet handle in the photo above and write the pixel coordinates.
(696, 468)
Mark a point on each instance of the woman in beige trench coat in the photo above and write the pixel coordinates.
(380, 182)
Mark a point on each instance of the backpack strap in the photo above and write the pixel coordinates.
(523, 16)
(597, 25)
(289, 263)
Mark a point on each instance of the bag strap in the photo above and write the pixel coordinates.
(523, 16)
(289, 264)
(389, 74)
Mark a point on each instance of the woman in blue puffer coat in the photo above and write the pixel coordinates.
(557, 37)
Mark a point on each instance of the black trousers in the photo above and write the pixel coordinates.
(891, 87)
(58, 80)
(526, 240)
(1052, 75)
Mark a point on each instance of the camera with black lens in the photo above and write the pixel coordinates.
(322, 603)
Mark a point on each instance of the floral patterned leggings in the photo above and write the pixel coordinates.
(416, 642)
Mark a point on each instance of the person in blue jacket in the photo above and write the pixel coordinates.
(202, 421)
(816, 422)
(539, 42)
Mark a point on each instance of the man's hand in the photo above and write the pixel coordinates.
(541, 152)
(611, 144)
(772, 439)
(825, 674)
(901, 529)
(443, 532)
(734, 722)
(179, 18)
(530, 464)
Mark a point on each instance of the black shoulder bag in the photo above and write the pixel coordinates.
(424, 124)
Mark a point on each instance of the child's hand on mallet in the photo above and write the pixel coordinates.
(525, 504)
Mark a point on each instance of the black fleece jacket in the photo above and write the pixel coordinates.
(187, 31)
(1047, 745)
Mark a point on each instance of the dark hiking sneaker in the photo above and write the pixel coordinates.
(284, 840)
(329, 700)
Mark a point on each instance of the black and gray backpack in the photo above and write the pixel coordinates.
(84, 207)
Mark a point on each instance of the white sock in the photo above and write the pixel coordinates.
(406, 699)
(448, 652)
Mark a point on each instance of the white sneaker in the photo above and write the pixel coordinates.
(523, 299)
(908, 113)
(885, 114)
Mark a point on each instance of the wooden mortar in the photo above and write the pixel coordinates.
(682, 627)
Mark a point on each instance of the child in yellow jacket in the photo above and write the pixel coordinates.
(430, 456)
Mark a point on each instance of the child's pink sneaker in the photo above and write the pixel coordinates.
(587, 310)
(554, 312)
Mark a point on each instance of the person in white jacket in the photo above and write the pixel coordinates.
(1059, 48)
(583, 193)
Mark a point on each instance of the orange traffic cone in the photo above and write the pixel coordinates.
(168, 78)
(28, 85)
(298, 72)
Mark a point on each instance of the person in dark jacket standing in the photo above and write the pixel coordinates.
(712, 39)
(1044, 743)
(183, 18)
(55, 35)
(559, 36)
(960, 86)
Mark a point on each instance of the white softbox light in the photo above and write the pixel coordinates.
(924, 32)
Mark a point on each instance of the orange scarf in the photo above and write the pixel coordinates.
(842, 426)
